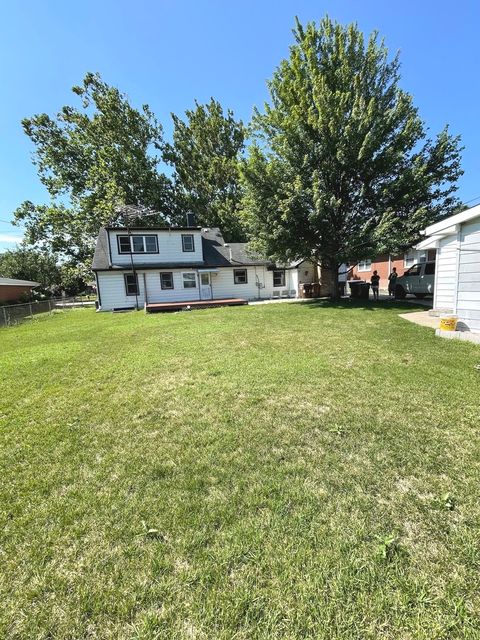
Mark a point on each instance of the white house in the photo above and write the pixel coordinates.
(457, 274)
(142, 266)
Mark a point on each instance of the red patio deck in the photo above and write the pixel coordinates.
(156, 307)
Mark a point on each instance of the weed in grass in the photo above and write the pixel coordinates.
(151, 532)
(448, 501)
(338, 431)
(387, 546)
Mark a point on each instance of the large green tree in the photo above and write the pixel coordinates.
(342, 167)
(35, 265)
(92, 160)
(205, 155)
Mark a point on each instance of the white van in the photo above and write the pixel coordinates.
(419, 280)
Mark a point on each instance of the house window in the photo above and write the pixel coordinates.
(279, 278)
(408, 260)
(123, 244)
(189, 280)
(137, 244)
(188, 242)
(166, 280)
(131, 284)
(151, 244)
(240, 276)
(364, 265)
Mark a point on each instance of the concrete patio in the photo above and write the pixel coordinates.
(422, 318)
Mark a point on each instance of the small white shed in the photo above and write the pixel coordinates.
(457, 273)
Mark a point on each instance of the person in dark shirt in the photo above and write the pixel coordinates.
(392, 282)
(375, 283)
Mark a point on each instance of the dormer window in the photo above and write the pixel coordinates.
(123, 244)
(138, 244)
(188, 242)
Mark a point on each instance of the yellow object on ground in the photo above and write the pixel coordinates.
(448, 323)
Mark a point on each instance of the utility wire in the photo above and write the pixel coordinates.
(10, 222)
(472, 200)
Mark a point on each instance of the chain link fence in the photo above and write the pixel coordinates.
(15, 313)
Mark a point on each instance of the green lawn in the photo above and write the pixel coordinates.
(238, 474)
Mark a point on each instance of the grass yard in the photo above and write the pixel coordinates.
(279, 471)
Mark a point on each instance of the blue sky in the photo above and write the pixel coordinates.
(167, 53)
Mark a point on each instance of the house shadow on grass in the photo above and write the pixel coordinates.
(365, 305)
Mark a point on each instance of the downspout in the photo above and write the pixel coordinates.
(133, 266)
(457, 268)
(435, 279)
(389, 272)
(98, 291)
(109, 250)
(145, 287)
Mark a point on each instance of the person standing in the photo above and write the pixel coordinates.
(375, 283)
(392, 282)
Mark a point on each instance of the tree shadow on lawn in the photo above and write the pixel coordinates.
(365, 305)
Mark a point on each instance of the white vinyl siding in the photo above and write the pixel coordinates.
(446, 266)
(169, 244)
(223, 287)
(113, 295)
(468, 292)
(223, 284)
(111, 285)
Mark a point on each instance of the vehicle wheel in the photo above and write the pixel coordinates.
(420, 296)
(400, 292)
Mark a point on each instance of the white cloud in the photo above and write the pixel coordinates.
(10, 238)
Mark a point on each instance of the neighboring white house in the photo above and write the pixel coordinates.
(139, 266)
(457, 274)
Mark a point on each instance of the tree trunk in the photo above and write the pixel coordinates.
(333, 289)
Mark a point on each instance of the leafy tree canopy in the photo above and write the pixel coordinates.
(92, 160)
(31, 264)
(205, 155)
(341, 167)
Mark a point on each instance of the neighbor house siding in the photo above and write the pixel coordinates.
(468, 292)
(446, 273)
(9, 293)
